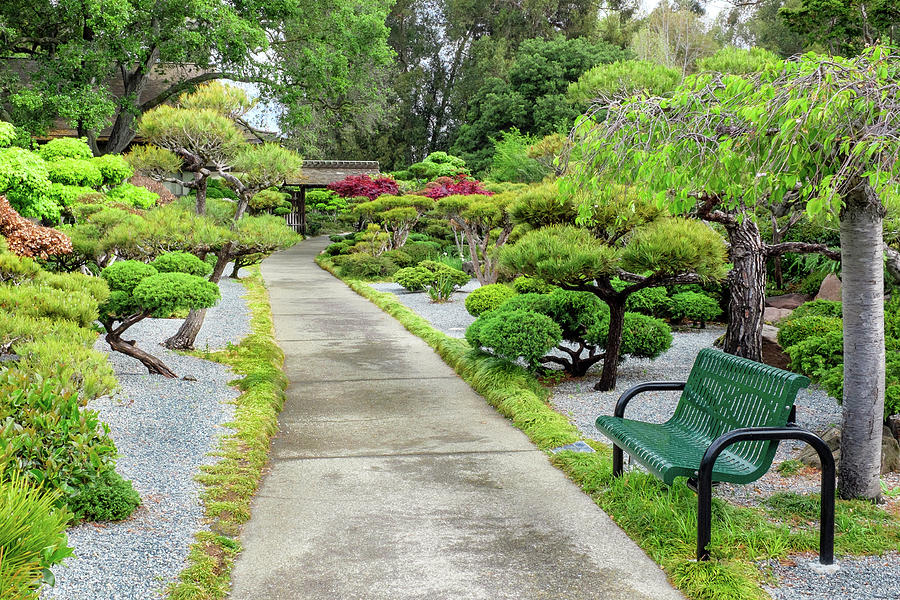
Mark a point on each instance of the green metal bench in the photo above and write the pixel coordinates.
(726, 427)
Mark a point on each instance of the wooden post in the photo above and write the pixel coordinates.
(302, 210)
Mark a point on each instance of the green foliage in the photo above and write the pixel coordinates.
(738, 61)
(68, 195)
(16, 269)
(8, 134)
(488, 297)
(133, 195)
(531, 285)
(843, 28)
(48, 438)
(560, 254)
(326, 201)
(511, 161)
(515, 334)
(108, 498)
(644, 337)
(32, 536)
(818, 353)
(694, 307)
(267, 200)
(65, 147)
(44, 301)
(675, 246)
(438, 164)
(623, 77)
(400, 258)
(75, 171)
(206, 133)
(114, 169)
(424, 250)
(338, 248)
(365, 266)
(819, 308)
(426, 273)
(181, 262)
(125, 275)
(542, 205)
(25, 181)
(794, 331)
(653, 301)
(153, 161)
(165, 293)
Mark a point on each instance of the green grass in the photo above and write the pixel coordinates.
(232, 481)
(661, 519)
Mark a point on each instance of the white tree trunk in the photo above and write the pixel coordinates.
(863, 305)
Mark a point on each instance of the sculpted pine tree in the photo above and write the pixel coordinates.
(140, 290)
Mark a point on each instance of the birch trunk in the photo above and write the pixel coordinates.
(863, 305)
(747, 285)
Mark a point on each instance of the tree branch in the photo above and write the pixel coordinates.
(801, 248)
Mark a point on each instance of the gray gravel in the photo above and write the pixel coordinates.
(163, 429)
(448, 317)
(863, 578)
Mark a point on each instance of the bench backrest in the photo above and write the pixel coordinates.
(725, 392)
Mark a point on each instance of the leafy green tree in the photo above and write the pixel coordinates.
(320, 59)
(139, 290)
(760, 24)
(844, 27)
(397, 215)
(622, 77)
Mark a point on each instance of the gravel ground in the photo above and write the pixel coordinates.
(163, 429)
(864, 578)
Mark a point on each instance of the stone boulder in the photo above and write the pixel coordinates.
(772, 353)
(469, 268)
(788, 301)
(890, 451)
(830, 288)
(773, 315)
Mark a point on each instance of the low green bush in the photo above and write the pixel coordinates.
(818, 308)
(67, 147)
(695, 307)
(44, 301)
(488, 297)
(399, 258)
(16, 269)
(114, 169)
(336, 248)
(75, 282)
(652, 301)
(365, 266)
(531, 285)
(75, 171)
(816, 354)
(32, 535)
(425, 273)
(109, 498)
(68, 195)
(420, 251)
(71, 366)
(794, 331)
(812, 283)
(644, 336)
(133, 195)
(181, 262)
(515, 334)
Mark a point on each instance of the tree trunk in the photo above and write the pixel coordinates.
(201, 194)
(153, 364)
(613, 345)
(864, 355)
(778, 275)
(892, 262)
(747, 285)
(187, 333)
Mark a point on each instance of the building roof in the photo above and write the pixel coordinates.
(321, 173)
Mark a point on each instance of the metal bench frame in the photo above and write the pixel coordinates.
(704, 470)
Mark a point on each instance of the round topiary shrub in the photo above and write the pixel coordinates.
(114, 169)
(417, 278)
(181, 262)
(60, 148)
(531, 285)
(645, 337)
(694, 306)
(399, 258)
(75, 171)
(488, 297)
(795, 331)
(110, 498)
(515, 334)
(133, 195)
(653, 301)
(337, 248)
(817, 354)
(366, 266)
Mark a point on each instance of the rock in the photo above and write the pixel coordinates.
(773, 315)
(894, 424)
(770, 333)
(890, 451)
(469, 268)
(830, 288)
(790, 301)
(10, 358)
(772, 353)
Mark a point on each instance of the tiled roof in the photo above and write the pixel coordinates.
(318, 173)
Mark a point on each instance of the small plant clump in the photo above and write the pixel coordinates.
(488, 297)
(425, 274)
(694, 306)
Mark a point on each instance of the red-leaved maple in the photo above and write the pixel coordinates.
(356, 186)
(454, 186)
(27, 239)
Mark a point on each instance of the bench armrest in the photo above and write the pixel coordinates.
(647, 386)
(791, 432)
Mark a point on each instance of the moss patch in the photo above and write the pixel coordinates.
(232, 481)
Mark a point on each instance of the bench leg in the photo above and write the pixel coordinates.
(704, 516)
(618, 461)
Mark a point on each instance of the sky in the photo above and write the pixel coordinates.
(713, 7)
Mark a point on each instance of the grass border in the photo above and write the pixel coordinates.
(231, 483)
(662, 520)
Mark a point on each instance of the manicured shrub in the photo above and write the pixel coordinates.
(425, 273)
(400, 258)
(25, 181)
(436, 164)
(60, 148)
(16, 269)
(645, 337)
(133, 195)
(71, 366)
(694, 307)
(819, 308)
(816, 354)
(32, 535)
(75, 283)
(531, 285)
(75, 171)
(337, 248)
(42, 301)
(113, 168)
(359, 186)
(653, 301)
(268, 200)
(795, 331)
(365, 266)
(67, 195)
(422, 250)
(515, 334)
(109, 498)
(181, 262)
(488, 297)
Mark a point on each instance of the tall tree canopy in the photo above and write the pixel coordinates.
(303, 52)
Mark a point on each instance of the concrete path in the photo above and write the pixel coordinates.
(392, 479)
